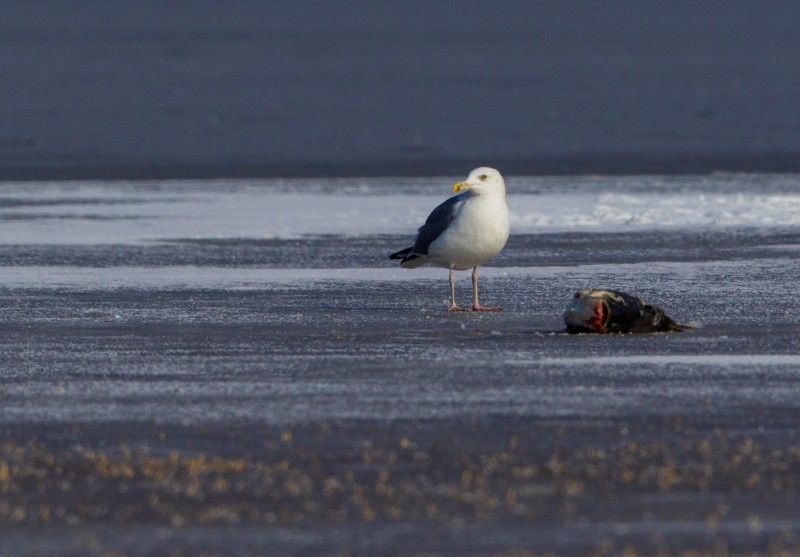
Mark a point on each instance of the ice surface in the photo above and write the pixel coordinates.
(124, 213)
(743, 362)
(233, 278)
(146, 263)
(216, 316)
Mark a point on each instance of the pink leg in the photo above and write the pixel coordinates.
(453, 306)
(475, 305)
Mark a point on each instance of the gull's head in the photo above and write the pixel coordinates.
(481, 181)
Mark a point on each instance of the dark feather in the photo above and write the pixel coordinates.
(400, 254)
(437, 222)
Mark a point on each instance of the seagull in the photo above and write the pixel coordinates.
(463, 232)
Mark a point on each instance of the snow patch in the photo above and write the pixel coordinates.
(122, 213)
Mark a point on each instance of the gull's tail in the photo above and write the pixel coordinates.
(402, 254)
(408, 260)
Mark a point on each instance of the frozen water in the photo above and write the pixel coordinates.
(310, 257)
(115, 213)
(237, 310)
(235, 278)
(745, 363)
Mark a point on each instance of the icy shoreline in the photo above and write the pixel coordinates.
(130, 212)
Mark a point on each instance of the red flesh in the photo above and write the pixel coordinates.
(600, 316)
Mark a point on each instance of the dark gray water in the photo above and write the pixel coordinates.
(123, 90)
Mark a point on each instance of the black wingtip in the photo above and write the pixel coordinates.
(400, 254)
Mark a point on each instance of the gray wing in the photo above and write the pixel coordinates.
(437, 222)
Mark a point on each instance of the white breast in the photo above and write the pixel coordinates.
(478, 232)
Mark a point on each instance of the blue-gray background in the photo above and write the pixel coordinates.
(204, 88)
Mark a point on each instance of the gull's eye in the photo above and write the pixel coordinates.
(482, 177)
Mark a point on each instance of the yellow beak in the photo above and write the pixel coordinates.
(458, 186)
